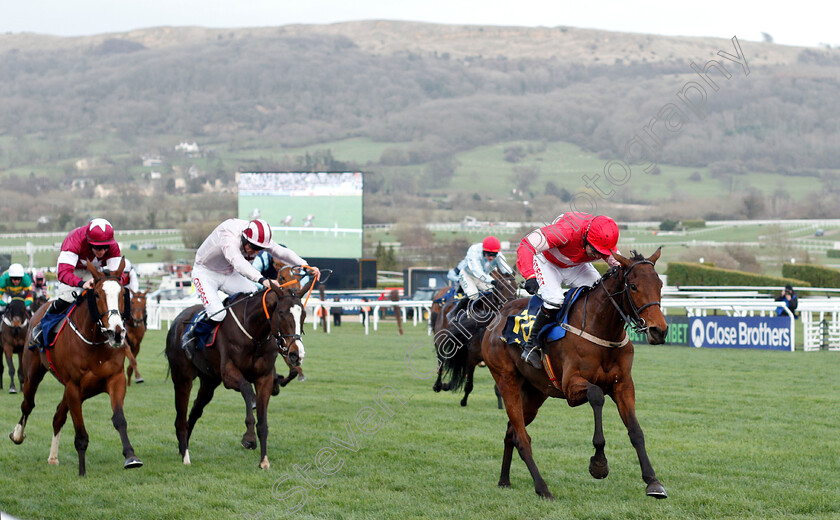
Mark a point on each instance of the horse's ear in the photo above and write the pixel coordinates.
(303, 290)
(94, 271)
(121, 268)
(655, 256)
(142, 294)
(621, 260)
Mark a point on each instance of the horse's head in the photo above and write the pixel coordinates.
(287, 324)
(16, 315)
(504, 285)
(106, 303)
(138, 308)
(643, 288)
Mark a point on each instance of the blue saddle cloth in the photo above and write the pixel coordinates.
(48, 324)
(518, 326)
(452, 292)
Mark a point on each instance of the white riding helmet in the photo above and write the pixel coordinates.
(16, 271)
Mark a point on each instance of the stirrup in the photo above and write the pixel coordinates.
(532, 355)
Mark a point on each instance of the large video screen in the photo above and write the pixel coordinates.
(315, 214)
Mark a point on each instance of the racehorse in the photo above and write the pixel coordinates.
(135, 330)
(12, 339)
(593, 359)
(242, 353)
(87, 359)
(458, 345)
(38, 302)
(437, 307)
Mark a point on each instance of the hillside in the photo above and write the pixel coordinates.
(428, 98)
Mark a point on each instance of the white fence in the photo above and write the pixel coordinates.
(819, 316)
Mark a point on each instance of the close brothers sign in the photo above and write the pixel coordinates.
(767, 333)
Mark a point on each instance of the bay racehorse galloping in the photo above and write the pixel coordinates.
(243, 353)
(135, 330)
(593, 359)
(88, 359)
(458, 345)
(13, 338)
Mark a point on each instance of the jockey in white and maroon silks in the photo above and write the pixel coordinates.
(562, 253)
(93, 243)
(223, 263)
(474, 272)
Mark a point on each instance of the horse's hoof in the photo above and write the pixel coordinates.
(249, 445)
(301, 378)
(598, 468)
(436, 388)
(186, 459)
(139, 380)
(132, 462)
(546, 495)
(445, 387)
(12, 390)
(463, 402)
(18, 435)
(656, 490)
(52, 462)
(504, 484)
(264, 464)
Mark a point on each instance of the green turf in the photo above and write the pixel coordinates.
(732, 434)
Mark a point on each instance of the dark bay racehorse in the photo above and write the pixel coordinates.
(13, 338)
(243, 354)
(583, 366)
(458, 345)
(135, 330)
(88, 359)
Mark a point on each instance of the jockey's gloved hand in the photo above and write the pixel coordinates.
(532, 285)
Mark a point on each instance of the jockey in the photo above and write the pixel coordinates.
(92, 243)
(39, 286)
(223, 263)
(15, 283)
(474, 269)
(129, 277)
(562, 253)
(264, 263)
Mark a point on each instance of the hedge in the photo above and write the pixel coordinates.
(833, 253)
(816, 275)
(698, 223)
(687, 273)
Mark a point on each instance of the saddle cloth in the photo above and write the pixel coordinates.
(518, 326)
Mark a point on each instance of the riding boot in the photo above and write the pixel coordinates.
(200, 331)
(57, 306)
(460, 306)
(532, 351)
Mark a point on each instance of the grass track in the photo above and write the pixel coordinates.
(731, 434)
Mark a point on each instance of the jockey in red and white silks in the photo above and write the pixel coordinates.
(557, 254)
(562, 254)
(223, 262)
(92, 243)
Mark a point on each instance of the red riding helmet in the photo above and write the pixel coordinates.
(100, 232)
(602, 234)
(491, 244)
(258, 233)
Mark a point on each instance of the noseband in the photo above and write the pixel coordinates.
(633, 318)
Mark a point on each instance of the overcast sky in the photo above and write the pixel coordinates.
(805, 22)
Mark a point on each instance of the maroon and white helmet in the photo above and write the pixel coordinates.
(258, 233)
(100, 232)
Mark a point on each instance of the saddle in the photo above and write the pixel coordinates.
(49, 329)
(518, 326)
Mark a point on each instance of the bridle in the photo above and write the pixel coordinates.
(26, 315)
(137, 322)
(284, 341)
(90, 295)
(633, 318)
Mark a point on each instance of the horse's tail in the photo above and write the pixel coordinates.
(453, 352)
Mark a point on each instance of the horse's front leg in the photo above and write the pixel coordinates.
(263, 386)
(624, 395)
(116, 389)
(233, 378)
(598, 466)
(11, 365)
(20, 368)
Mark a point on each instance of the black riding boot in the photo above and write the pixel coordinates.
(460, 306)
(532, 351)
(57, 306)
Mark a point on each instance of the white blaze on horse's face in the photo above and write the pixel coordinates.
(112, 290)
(297, 311)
